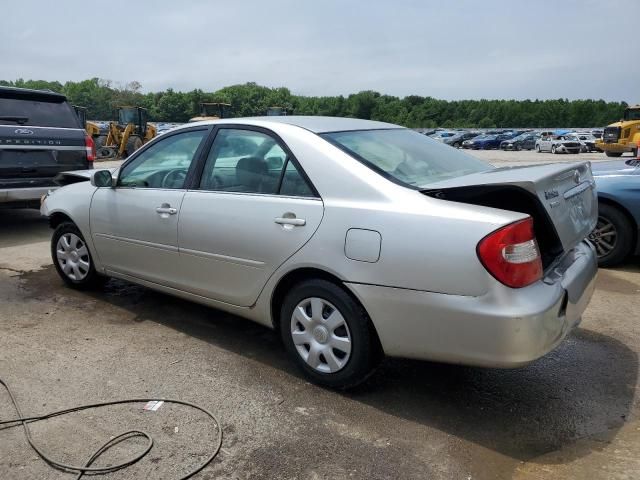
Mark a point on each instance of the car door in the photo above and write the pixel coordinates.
(252, 209)
(135, 225)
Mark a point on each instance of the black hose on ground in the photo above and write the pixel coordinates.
(87, 468)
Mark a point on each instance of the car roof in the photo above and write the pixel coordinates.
(311, 123)
(31, 94)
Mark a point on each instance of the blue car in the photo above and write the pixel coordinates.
(617, 234)
(488, 141)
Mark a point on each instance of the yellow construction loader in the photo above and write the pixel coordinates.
(125, 135)
(213, 111)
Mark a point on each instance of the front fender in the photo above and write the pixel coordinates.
(74, 201)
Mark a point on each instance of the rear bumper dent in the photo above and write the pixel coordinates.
(503, 328)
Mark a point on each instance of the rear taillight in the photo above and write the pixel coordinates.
(90, 147)
(511, 254)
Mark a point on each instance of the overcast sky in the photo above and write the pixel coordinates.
(445, 49)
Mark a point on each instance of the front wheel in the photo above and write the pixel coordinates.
(538, 149)
(72, 258)
(328, 334)
(612, 237)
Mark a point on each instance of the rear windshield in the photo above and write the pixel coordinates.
(36, 113)
(405, 156)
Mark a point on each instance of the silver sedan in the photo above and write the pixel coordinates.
(353, 239)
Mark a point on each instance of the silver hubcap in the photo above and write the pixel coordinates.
(604, 237)
(321, 335)
(73, 256)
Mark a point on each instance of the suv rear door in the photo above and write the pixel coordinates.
(40, 136)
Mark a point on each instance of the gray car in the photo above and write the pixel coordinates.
(353, 239)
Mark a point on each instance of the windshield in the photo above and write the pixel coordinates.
(632, 114)
(405, 156)
(35, 113)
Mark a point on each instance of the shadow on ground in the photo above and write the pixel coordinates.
(583, 388)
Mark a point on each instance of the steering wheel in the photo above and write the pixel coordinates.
(174, 178)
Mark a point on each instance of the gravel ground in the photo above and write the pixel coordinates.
(572, 414)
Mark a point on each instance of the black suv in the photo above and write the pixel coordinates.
(40, 136)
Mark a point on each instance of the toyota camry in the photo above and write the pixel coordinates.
(353, 239)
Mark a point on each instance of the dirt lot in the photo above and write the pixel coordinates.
(572, 414)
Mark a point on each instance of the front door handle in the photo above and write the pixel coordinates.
(296, 222)
(166, 209)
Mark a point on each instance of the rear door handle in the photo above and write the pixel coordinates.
(296, 222)
(166, 209)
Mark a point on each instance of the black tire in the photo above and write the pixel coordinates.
(553, 149)
(634, 152)
(92, 279)
(613, 154)
(538, 149)
(624, 230)
(518, 148)
(133, 144)
(365, 350)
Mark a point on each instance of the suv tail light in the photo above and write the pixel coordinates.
(90, 147)
(511, 254)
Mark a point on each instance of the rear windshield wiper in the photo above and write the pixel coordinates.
(10, 118)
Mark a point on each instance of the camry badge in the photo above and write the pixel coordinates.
(23, 131)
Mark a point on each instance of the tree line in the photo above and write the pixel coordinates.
(101, 97)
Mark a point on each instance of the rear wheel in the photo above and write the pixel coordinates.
(612, 237)
(538, 149)
(613, 154)
(72, 258)
(328, 334)
(518, 148)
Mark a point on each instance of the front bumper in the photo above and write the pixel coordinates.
(614, 147)
(503, 328)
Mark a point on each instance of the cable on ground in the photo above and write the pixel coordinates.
(87, 468)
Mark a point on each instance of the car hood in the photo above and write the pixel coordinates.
(616, 167)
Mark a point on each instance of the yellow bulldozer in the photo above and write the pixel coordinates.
(622, 136)
(213, 111)
(126, 134)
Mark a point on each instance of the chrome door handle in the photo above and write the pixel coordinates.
(296, 222)
(167, 210)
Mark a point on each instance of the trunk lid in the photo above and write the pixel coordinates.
(565, 192)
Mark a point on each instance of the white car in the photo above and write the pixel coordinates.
(353, 239)
(558, 144)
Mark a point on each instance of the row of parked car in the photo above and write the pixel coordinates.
(558, 141)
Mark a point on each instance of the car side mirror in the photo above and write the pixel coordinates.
(102, 178)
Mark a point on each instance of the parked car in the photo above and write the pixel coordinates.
(587, 141)
(617, 234)
(40, 136)
(457, 139)
(486, 142)
(558, 144)
(524, 141)
(440, 136)
(351, 238)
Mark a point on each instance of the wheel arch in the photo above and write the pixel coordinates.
(307, 273)
(58, 217)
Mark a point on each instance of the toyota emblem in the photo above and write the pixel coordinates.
(23, 131)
